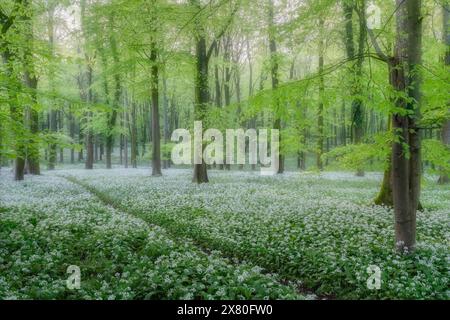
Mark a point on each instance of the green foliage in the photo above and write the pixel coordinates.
(438, 155)
(360, 156)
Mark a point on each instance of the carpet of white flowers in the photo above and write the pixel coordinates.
(320, 229)
(48, 223)
(242, 235)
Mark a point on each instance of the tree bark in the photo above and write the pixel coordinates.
(166, 133)
(320, 122)
(275, 78)
(72, 135)
(53, 120)
(60, 129)
(112, 116)
(200, 174)
(31, 82)
(445, 132)
(89, 136)
(156, 147)
(133, 156)
(17, 119)
(406, 169)
(356, 69)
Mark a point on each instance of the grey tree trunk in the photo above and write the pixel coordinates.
(53, 120)
(31, 82)
(356, 69)
(60, 129)
(72, 135)
(16, 116)
(112, 116)
(156, 145)
(89, 136)
(406, 170)
(166, 161)
(125, 137)
(275, 77)
(320, 122)
(445, 132)
(218, 94)
(133, 156)
(88, 94)
(200, 174)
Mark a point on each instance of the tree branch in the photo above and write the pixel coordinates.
(222, 32)
(375, 44)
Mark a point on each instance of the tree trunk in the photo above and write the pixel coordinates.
(166, 123)
(445, 132)
(218, 95)
(156, 147)
(200, 174)
(33, 149)
(80, 141)
(72, 136)
(31, 82)
(133, 157)
(89, 137)
(275, 78)
(125, 137)
(112, 117)
(406, 169)
(60, 129)
(96, 145)
(385, 195)
(320, 124)
(356, 69)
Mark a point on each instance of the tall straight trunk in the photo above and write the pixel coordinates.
(226, 81)
(112, 116)
(166, 123)
(125, 138)
(133, 156)
(200, 174)
(31, 82)
(445, 132)
(357, 123)
(252, 122)
(17, 117)
(60, 129)
(320, 122)
(218, 95)
(88, 94)
(33, 149)
(80, 141)
(89, 136)
(237, 83)
(72, 135)
(121, 149)
(406, 169)
(144, 128)
(301, 157)
(52, 148)
(102, 150)
(336, 128)
(275, 78)
(53, 115)
(96, 145)
(156, 147)
(227, 70)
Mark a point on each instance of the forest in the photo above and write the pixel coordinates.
(349, 98)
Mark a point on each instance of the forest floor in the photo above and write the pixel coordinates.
(242, 236)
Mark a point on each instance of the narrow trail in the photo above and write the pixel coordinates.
(172, 231)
